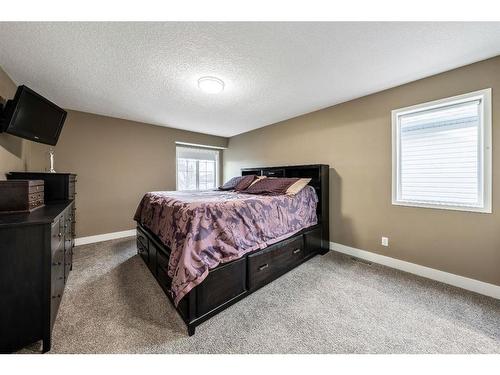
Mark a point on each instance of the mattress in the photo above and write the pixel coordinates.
(207, 228)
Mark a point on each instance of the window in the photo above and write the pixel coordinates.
(197, 168)
(442, 153)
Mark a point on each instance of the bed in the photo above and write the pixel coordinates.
(208, 250)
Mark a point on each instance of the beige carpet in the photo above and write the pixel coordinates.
(331, 304)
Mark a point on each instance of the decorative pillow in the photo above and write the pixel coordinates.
(258, 178)
(297, 186)
(238, 182)
(231, 184)
(271, 186)
(245, 182)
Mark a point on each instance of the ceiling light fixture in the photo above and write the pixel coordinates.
(211, 85)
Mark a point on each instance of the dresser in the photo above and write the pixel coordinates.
(36, 257)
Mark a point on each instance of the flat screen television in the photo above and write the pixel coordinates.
(29, 115)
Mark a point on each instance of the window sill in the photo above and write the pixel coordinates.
(482, 210)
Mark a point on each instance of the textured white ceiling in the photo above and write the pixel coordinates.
(273, 71)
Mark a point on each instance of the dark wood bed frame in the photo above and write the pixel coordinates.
(230, 282)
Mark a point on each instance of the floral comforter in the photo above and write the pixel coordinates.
(204, 229)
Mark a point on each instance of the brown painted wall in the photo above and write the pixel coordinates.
(354, 138)
(117, 161)
(14, 151)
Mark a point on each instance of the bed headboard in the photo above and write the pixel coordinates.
(319, 175)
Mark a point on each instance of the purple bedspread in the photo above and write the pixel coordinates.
(204, 229)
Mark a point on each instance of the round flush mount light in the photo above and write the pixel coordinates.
(211, 85)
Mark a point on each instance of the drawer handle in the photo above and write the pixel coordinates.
(58, 296)
(59, 235)
(296, 251)
(56, 263)
(263, 267)
(60, 278)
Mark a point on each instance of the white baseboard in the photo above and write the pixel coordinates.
(104, 237)
(416, 269)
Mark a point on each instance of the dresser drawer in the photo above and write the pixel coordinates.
(274, 261)
(35, 197)
(57, 289)
(36, 200)
(56, 236)
(36, 188)
(68, 256)
(69, 217)
(35, 204)
(71, 190)
(57, 267)
(57, 282)
(73, 220)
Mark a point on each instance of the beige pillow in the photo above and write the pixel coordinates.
(297, 186)
(257, 179)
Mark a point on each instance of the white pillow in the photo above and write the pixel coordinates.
(297, 186)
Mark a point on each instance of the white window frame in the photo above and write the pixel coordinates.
(217, 161)
(484, 150)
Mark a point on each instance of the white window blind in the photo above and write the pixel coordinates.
(441, 152)
(197, 168)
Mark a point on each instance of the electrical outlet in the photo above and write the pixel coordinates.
(385, 241)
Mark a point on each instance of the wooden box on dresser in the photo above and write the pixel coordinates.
(21, 195)
(36, 256)
(58, 186)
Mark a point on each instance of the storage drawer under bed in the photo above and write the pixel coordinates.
(221, 285)
(234, 279)
(312, 241)
(272, 262)
(143, 246)
(162, 270)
